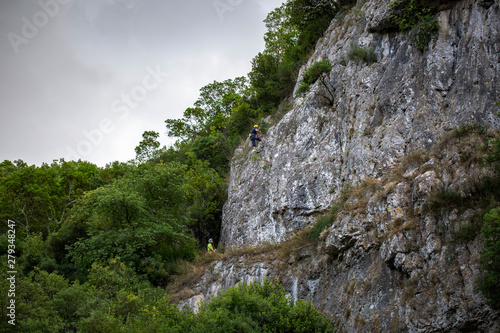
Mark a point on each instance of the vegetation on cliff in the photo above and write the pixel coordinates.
(411, 15)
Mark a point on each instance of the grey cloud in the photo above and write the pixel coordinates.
(63, 81)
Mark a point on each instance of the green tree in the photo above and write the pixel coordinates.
(220, 97)
(271, 82)
(140, 218)
(7, 167)
(215, 149)
(318, 71)
(259, 307)
(38, 198)
(35, 253)
(207, 194)
(242, 117)
(148, 147)
(490, 262)
(115, 170)
(292, 32)
(211, 111)
(281, 33)
(310, 18)
(410, 15)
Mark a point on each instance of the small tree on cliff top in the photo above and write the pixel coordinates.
(318, 71)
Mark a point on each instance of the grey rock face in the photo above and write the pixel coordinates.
(387, 263)
(401, 103)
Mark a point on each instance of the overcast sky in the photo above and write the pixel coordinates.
(85, 78)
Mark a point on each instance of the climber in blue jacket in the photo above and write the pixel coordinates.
(254, 136)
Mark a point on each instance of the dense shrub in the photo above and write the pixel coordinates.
(490, 284)
(324, 222)
(115, 300)
(319, 68)
(46, 302)
(142, 219)
(360, 54)
(409, 15)
(490, 262)
(259, 307)
(302, 89)
(318, 71)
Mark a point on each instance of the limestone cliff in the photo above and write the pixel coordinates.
(387, 144)
(401, 103)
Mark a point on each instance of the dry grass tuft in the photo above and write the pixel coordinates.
(300, 241)
(265, 248)
(398, 226)
(190, 274)
(181, 295)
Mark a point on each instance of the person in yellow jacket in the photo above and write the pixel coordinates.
(210, 246)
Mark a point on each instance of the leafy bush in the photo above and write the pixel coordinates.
(319, 68)
(259, 307)
(425, 29)
(360, 54)
(302, 88)
(443, 199)
(490, 262)
(142, 219)
(49, 303)
(409, 15)
(112, 277)
(318, 71)
(293, 30)
(493, 158)
(161, 316)
(324, 222)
